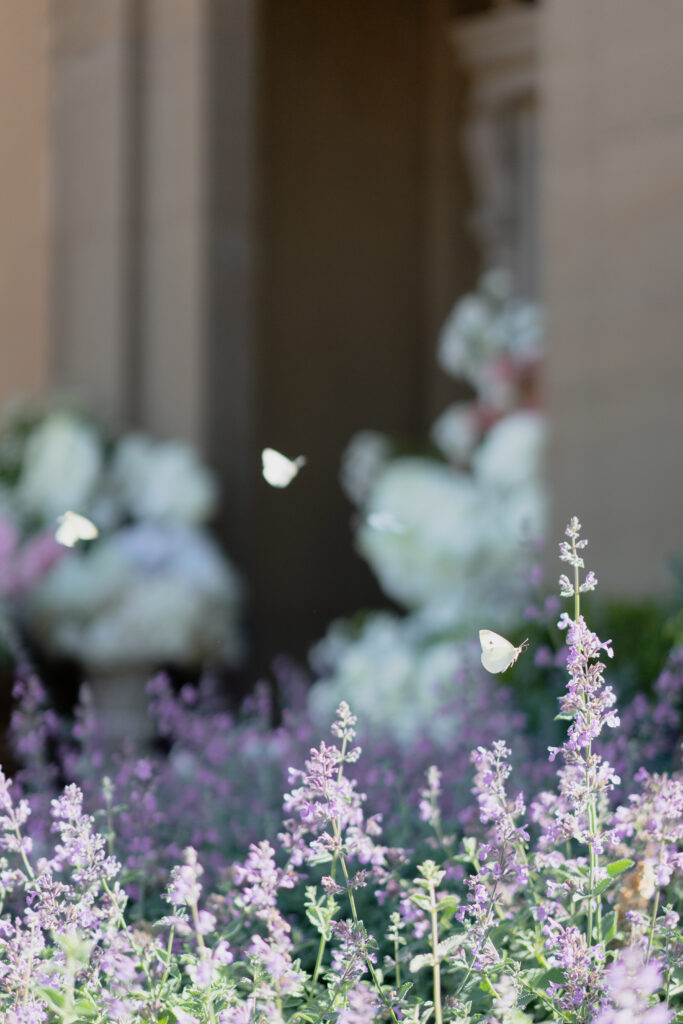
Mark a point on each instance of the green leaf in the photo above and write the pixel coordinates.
(449, 945)
(597, 891)
(85, 1008)
(609, 927)
(57, 1000)
(538, 980)
(619, 866)
(423, 902)
(420, 961)
(469, 844)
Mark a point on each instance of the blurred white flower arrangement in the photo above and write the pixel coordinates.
(388, 665)
(154, 588)
(447, 536)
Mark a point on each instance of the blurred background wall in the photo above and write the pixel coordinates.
(612, 201)
(243, 221)
(24, 200)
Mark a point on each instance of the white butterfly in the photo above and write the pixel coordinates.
(74, 527)
(278, 470)
(497, 653)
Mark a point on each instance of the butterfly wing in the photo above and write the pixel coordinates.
(278, 470)
(497, 653)
(74, 527)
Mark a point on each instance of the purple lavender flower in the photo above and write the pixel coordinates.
(586, 779)
(581, 965)
(429, 798)
(184, 889)
(353, 951)
(501, 860)
(81, 847)
(631, 985)
(654, 818)
(361, 1007)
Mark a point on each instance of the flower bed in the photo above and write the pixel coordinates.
(169, 888)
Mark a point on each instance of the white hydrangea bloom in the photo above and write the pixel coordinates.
(468, 322)
(498, 284)
(61, 467)
(148, 594)
(444, 530)
(497, 389)
(486, 330)
(392, 683)
(512, 452)
(523, 511)
(162, 481)
(523, 326)
(362, 461)
(456, 432)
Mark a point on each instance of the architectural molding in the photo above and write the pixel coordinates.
(498, 51)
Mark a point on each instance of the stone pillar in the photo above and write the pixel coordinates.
(152, 125)
(24, 199)
(612, 195)
(172, 203)
(92, 189)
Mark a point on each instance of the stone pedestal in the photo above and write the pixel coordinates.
(120, 703)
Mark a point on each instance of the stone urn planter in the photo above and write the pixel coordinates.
(120, 702)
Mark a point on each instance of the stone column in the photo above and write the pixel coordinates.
(612, 195)
(24, 199)
(92, 191)
(152, 125)
(173, 227)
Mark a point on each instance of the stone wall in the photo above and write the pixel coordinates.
(612, 265)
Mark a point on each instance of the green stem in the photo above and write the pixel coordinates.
(29, 870)
(655, 907)
(333, 872)
(339, 858)
(356, 921)
(593, 859)
(489, 986)
(321, 952)
(577, 593)
(195, 921)
(201, 946)
(129, 935)
(650, 937)
(436, 968)
(592, 871)
(29, 968)
(167, 966)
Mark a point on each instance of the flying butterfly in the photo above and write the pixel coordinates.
(278, 470)
(74, 527)
(497, 653)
